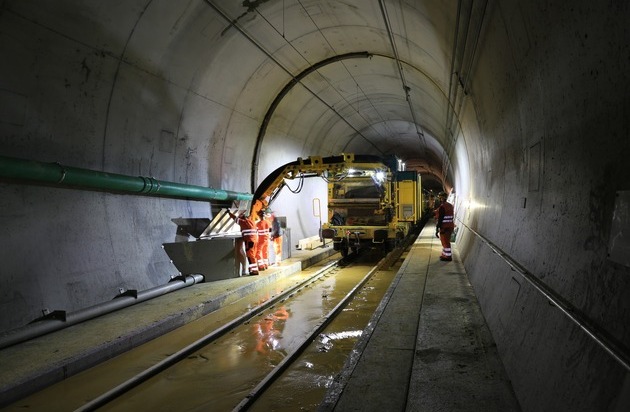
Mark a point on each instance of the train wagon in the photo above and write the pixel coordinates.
(371, 204)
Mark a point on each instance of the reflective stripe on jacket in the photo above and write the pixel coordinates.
(248, 228)
(263, 228)
(446, 218)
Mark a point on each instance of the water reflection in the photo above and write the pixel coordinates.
(268, 331)
(326, 341)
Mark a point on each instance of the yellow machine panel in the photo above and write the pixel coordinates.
(370, 203)
(408, 197)
(407, 201)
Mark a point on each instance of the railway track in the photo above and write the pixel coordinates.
(291, 357)
(257, 360)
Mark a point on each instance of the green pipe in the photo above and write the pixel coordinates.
(60, 175)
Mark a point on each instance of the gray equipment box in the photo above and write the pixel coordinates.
(215, 259)
(212, 253)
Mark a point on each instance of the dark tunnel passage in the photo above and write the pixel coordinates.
(519, 110)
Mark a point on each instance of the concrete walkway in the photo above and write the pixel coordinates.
(427, 348)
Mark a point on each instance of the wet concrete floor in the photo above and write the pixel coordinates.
(303, 386)
(430, 348)
(222, 374)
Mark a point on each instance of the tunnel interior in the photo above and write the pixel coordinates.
(518, 110)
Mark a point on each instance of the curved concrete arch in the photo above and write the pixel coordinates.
(537, 156)
(305, 73)
(278, 98)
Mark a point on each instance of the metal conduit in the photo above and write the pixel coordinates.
(60, 175)
(405, 86)
(280, 96)
(61, 320)
(601, 337)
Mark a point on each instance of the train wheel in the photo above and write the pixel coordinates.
(344, 251)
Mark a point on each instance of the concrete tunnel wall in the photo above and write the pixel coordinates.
(166, 89)
(552, 109)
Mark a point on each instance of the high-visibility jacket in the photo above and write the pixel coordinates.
(446, 216)
(249, 231)
(262, 252)
(263, 227)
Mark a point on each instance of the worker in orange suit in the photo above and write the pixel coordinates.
(445, 226)
(249, 232)
(262, 249)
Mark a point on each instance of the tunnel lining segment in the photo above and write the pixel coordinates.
(296, 80)
(276, 102)
(600, 336)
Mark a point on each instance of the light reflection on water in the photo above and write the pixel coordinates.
(224, 372)
(303, 386)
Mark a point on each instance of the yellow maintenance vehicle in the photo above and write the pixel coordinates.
(370, 202)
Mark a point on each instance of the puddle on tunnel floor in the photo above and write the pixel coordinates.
(220, 375)
(304, 384)
(223, 373)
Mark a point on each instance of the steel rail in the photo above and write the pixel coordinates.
(195, 346)
(291, 357)
(341, 380)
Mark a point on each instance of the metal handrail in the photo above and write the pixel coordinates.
(601, 337)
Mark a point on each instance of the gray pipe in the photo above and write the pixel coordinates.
(42, 327)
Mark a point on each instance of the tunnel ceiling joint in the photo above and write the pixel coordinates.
(285, 90)
(462, 60)
(405, 86)
(252, 7)
(294, 80)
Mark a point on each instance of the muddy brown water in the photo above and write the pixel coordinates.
(220, 375)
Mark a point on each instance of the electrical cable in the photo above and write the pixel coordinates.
(335, 179)
(233, 23)
(406, 88)
(299, 187)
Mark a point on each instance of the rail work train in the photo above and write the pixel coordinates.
(371, 204)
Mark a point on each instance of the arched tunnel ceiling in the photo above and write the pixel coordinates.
(393, 101)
